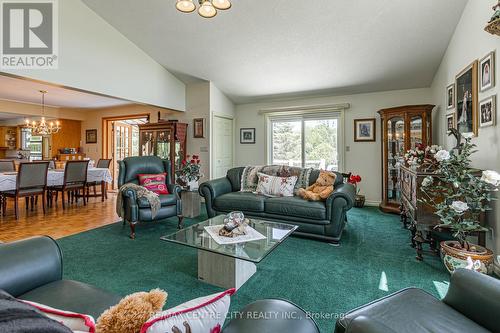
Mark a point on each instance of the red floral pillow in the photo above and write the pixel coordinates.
(155, 183)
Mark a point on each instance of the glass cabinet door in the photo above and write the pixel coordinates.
(163, 138)
(147, 139)
(416, 131)
(395, 153)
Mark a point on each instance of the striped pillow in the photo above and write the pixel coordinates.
(272, 186)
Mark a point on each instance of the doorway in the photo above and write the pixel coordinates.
(122, 140)
(223, 146)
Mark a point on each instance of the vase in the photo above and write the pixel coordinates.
(193, 185)
(359, 201)
(456, 257)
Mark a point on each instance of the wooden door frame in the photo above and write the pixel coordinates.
(106, 122)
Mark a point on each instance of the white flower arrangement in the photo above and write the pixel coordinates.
(421, 155)
(442, 155)
(459, 206)
(491, 177)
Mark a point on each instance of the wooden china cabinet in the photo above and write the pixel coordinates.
(165, 139)
(403, 128)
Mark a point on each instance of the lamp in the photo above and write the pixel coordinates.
(42, 128)
(207, 8)
(185, 6)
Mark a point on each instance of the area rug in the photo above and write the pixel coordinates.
(373, 260)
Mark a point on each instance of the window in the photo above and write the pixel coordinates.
(309, 140)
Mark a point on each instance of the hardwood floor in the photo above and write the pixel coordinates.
(57, 222)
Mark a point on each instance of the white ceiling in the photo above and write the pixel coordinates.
(27, 91)
(272, 48)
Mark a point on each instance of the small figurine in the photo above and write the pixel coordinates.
(234, 225)
(458, 137)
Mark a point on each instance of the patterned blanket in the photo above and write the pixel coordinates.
(249, 178)
(153, 199)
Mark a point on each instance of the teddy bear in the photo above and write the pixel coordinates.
(321, 189)
(131, 312)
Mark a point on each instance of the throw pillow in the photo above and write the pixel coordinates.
(276, 186)
(154, 182)
(201, 315)
(19, 317)
(77, 322)
(131, 312)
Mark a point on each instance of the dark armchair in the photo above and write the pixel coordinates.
(138, 209)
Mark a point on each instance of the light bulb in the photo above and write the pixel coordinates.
(185, 6)
(206, 10)
(221, 4)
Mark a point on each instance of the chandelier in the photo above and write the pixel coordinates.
(207, 8)
(42, 128)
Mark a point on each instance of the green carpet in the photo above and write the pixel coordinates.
(374, 259)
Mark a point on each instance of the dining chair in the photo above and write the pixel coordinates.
(75, 179)
(104, 164)
(7, 165)
(30, 183)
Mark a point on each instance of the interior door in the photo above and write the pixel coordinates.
(223, 146)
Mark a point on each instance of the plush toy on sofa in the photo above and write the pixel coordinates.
(321, 189)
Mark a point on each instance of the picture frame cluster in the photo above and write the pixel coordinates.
(464, 112)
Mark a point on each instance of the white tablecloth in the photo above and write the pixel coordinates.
(56, 177)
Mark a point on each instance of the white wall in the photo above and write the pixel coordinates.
(94, 56)
(471, 42)
(363, 158)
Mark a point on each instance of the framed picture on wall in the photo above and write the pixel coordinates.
(450, 96)
(487, 111)
(247, 135)
(198, 128)
(364, 130)
(487, 72)
(91, 136)
(451, 122)
(466, 99)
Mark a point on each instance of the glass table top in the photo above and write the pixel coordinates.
(196, 236)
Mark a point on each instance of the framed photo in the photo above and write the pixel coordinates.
(247, 135)
(198, 128)
(487, 72)
(91, 136)
(451, 122)
(450, 96)
(364, 130)
(487, 111)
(466, 99)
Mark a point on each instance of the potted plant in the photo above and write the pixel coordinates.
(460, 196)
(359, 201)
(422, 157)
(188, 172)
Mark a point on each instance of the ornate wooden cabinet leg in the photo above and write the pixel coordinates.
(403, 217)
(419, 240)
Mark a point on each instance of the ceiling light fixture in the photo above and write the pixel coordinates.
(42, 128)
(207, 8)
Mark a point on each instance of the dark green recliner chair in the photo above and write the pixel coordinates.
(138, 209)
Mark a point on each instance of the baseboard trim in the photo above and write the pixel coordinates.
(372, 203)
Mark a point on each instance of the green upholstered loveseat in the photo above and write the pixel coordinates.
(323, 220)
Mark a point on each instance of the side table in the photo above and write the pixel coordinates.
(191, 202)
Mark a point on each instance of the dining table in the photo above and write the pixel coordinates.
(55, 177)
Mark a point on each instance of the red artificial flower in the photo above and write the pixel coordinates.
(192, 161)
(197, 161)
(354, 179)
(195, 157)
(184, 162)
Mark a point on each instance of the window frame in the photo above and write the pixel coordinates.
(303, 117)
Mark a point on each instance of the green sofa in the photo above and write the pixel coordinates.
(324, 220)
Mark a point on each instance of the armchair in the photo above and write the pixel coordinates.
(138, 209)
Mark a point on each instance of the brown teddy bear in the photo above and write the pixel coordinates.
(132, 312)
(321, 189)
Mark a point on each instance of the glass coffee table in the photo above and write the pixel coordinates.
(230, 265)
